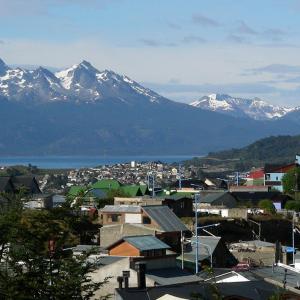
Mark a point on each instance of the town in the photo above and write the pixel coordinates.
(170, 230)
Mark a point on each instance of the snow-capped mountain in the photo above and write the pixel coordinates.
(80, 83)
(81, 111)
(239, 107)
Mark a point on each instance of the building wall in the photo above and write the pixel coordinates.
(238, 213)
(181, 208)
(137, 201)
(120, 218)
(265, 257)
(157, 263)
(133, 218)
(124, 249)
(272, 178)
(127, 201)
(111, 234)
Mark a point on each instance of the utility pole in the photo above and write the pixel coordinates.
(179, 170)
(293, 237)
(153, 185)
(196, 232)
(259, 228)
(182, 250)
(296, 179)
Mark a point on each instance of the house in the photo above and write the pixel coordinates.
(6, 185)
(141, 245)
(244, 290)
(141, 201)
(120, 214)
(256, 177)
(128, 220)
(159, 271)
(14, 184)
(135, 190)
(196, 184)
(253, 198)
(274, 175)
(107, 184)
(258, 253)
(39, 201)
(75, 190)
(224, 199)
(27, 184)
(180, 203)
(212, 251)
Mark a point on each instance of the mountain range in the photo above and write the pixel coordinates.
(84, 111)
(240, 107)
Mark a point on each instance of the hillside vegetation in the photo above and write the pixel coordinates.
(274, 149)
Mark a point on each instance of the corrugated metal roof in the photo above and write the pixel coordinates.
(205, 245)
(212, 197)
(121, 208)
(146, 242)
(165, 218)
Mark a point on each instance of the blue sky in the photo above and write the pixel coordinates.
(181, 48)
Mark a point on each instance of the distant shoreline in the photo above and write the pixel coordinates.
(75, 162)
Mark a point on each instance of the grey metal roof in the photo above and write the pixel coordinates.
(85, 248)
(171, 276)
(121, 208)
(108, 260)
(212, 197)
(165, 218)
(278, 274)
(256, 290)
(4, 181)
(205, 245)
(255, 243)
(146, 242)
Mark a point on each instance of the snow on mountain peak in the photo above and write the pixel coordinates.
(79, 83)
(240, 107)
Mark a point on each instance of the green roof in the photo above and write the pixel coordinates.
(174, 195)
(178, 196)
(144, 189)
(110, 184)
(132, 190)
(75, 189)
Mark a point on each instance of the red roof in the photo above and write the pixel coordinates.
(282, 169)
(256, 174)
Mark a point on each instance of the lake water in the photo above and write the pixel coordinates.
(74, 162)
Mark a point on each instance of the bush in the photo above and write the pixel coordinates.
(292, 205)
(267, 205)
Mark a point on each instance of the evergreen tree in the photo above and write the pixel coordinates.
(33, 261)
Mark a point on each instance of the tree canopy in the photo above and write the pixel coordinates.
(291, 181)
(35, 262)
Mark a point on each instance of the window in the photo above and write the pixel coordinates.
(146, 220)
(115, 217)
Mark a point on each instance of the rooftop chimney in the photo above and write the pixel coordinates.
(140, 267)
(120, 281)
(126, 275)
